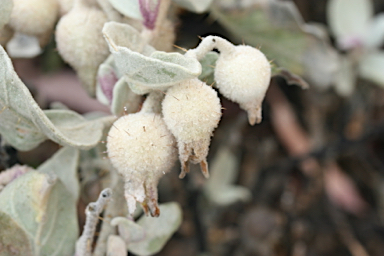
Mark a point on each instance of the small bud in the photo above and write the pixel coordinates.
(243, 74)
(81, 43)
(142, 149)
(192, 111)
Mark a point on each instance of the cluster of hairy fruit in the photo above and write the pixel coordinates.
(143, 146)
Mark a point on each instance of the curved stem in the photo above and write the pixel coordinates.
(152, 103)
(208, 44)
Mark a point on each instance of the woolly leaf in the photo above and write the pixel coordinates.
(208, 65)
(375, 33)
(24, 125)
(106, 80)
(14, 240)
(129, 8)
(371, 67)
(348, 18)
(116, 246)
(158, 230)
(43, 208)
(124, 100)
(125, 35)
(197, 6)
(23, 46)
(64, 165)
(219, 188)
(5, 12)
(157, 71)
(129, 230)
(278, 29)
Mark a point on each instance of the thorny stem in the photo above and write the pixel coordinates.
(208, 44)
(93, 210)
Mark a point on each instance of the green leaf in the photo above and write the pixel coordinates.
(349, 17)
(116, 246)
(124, 99)
(23, 46)
(24, 125)
(129, 8)
(14, 241)
(345, 80)
(64, 164)
(197, 6)
(219, 188)
(208, 67)
(126, 36)
(129, 230)
(371, 67)
(43, 208)
(157, 71)
(158, 230)
(375, 32)
(275, 27)
(5, 12)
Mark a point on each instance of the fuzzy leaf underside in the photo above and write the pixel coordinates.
(208, 66)
(42, 207)
(219, 188)
(64, 165)
(143, 66)
(158, 230)
(13, 239)
(129, 8)
(157, 71)
(24, 125)
(277, 28)
(124, 99)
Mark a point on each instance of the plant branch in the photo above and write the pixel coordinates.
(92, 212)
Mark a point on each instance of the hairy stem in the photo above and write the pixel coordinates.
(93, 210)
(208, 44)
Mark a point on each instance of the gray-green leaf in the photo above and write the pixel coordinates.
(129, 8)
(5, 12)
(124, 99)
(43, 208)
(158, 230)
(219, 188)
(208, 66)
(14, 240)
(157, 71)
(130, 231)
(64, 165)
(24, 125)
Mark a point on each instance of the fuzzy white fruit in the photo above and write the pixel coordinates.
(142, 150)
(65, 6)
(34, 17)
(243, 74)
(192, 110)
(81, 43)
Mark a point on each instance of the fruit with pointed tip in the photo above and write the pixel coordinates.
(192, 110)
(242, 74)
(142, 150)
(81, 43)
